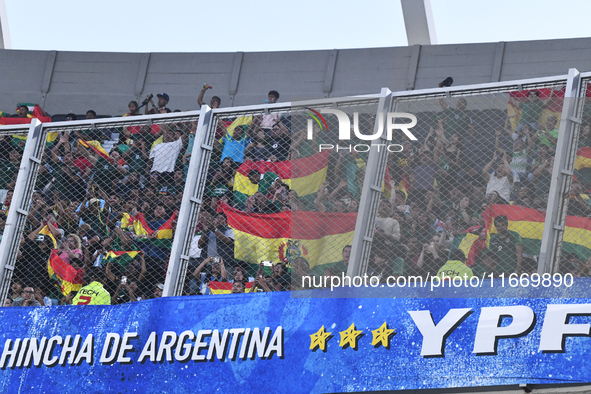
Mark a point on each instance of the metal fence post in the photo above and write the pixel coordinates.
(190, 205)
(19, 207)
(562, 174)
(370, 194)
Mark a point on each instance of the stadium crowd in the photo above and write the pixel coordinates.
(106, 200)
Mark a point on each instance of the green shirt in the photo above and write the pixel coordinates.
(351, 169)
(543, 182)
(519, 163)
(545, 141)
(105, 174)
(398, 266)
(531, 110)
(336, 268)
(455, 122)
(92, 294)
(505, 249)
(309, 148)
(7, 171)
(266, 182)
(97, 222)
(63, 182)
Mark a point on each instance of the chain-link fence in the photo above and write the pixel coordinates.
(12, 146)
(470, 195)
(575, 245)
(280, 195)
(103, 213)
(280, 200)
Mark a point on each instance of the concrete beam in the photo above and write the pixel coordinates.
(418, 21)
(5, 42)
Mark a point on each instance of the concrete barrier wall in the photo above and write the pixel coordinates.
(77, 81)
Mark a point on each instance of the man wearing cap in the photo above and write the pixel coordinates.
(158, 290)
(163, 99)
(91, 212)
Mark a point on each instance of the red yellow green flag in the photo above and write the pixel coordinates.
(226, 287)
(583, 159)
(318, 237)
(120, 257)
(472, 242)
(96, 147)
(304, 175)
(141, 227)
(403, 187)
(36, 113)
(68, 278)
(529, 223)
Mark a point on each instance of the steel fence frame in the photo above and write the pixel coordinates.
(374, 176)
(562, 172)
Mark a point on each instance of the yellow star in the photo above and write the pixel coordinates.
(382, 335)
(349, 337)
(319, 339)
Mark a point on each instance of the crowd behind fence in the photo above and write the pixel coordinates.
(279, 196)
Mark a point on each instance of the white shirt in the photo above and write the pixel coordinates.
(165, 155)
(389, 226)
(501, 186)
(195, 251)
(269, 120)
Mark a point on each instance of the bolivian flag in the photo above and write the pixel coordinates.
(160, 237)
(304, 175)
(226, 287)
(35, 113)
(472, 242)
(162, 232)
(45, 232)
(403, 187)
(96, 147)
(122, 258)
(386, 187)
(552, 107)
(583, 159)
(239, 121)
(316, 236)
(529, 223)
(68, 279)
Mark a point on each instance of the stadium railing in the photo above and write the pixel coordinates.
(267, 195)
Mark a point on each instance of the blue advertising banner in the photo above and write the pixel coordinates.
(273, 342)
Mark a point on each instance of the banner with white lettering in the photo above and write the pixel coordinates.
(273, 342)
